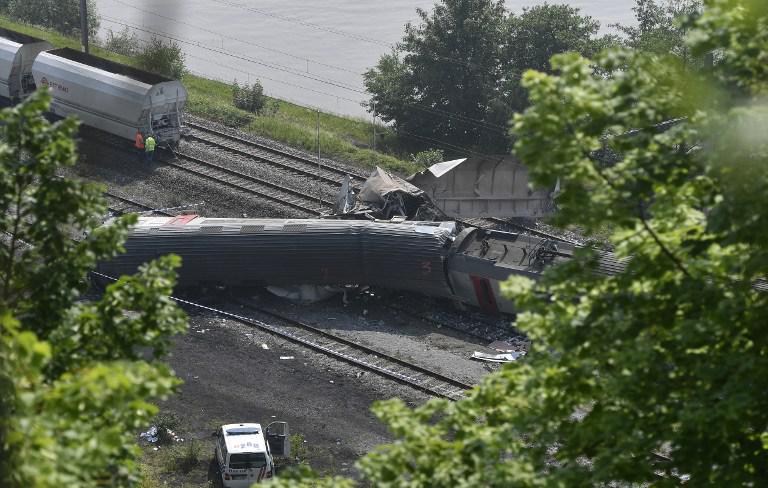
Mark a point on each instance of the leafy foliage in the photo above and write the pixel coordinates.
(60, 15)
(667, 357)
(660, 28)
(536, 35)
(124, 42)
(73, 386)
(455, 77)
(451, 64)
(163, 58)
(249, 98)
(425, 159)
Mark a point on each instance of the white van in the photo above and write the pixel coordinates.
(244, 455)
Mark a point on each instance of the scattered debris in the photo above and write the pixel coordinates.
(502, 346)
(150, 435)
(305, 294)
(386, 196)
(498, 358)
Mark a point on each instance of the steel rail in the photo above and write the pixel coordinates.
(415, 376)
(454, 390)
(261, 159)
(309, 162)
(528, 230)
(134, 203)
(243, 182)
(224, 175)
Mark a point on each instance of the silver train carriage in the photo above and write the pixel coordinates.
(426, 257)
(110, 96)
(259, 252)
(17, 53)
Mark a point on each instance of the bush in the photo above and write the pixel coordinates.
(427, 158)
(249, 98)
(60, 15)
(166, 422)
(166, 59)
(124, 42)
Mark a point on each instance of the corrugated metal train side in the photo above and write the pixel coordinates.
(409, 256)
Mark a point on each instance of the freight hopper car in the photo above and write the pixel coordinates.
(112, 97)
(425, 257)
(17, 53)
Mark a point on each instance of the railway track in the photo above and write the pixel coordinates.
(233, 179)
(271, 156)
(349, 351)
(248, 184)
(488, 222)
(134, 206)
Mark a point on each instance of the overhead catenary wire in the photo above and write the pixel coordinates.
(310, 107)
(409, 134)
(418, 106)
(304, 23)
(275, 66)
(237, 39)
(338, 32)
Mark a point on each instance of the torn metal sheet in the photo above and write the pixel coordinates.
(498, 358)
(484, 186)
(501, 346)
(386, 196)
(345, 199)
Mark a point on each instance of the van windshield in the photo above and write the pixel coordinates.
(247, 460)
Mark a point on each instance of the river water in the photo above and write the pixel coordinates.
(309, 52)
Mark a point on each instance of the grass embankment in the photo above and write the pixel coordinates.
(340, 137)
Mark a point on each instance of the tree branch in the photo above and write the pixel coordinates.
(678, 264)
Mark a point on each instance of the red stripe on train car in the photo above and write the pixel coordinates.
(181, 220)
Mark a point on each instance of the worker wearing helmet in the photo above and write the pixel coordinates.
(139, 144)
(150, 144)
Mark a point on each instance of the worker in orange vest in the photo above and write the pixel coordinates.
(139, 144)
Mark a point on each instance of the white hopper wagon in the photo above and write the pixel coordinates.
(113, 97)
(17, 53)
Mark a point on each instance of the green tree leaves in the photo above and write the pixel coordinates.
(455, 77)
(660, 372)
(60, 15)
(166, 59)
(73, 385)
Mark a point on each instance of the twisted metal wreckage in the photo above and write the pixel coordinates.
(389, 234)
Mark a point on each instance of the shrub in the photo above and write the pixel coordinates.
(249, 98)
(166, 422)
(60, 15)
(124, 42)
(166, 59)
(427, 158)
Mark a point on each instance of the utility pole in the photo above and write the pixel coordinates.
(84, 24)
(374, 126)
(319, 167)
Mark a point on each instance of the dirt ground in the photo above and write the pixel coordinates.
(233, 373)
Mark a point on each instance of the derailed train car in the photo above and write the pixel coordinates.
(432, 258)
(109, 96)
